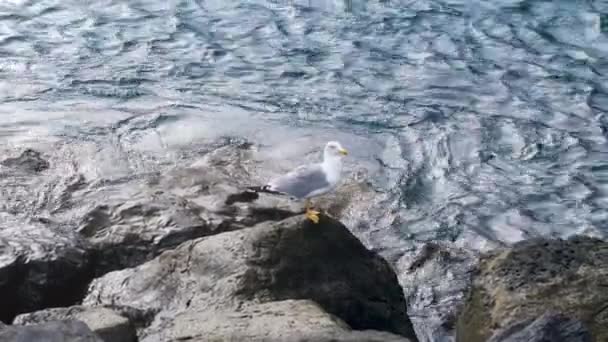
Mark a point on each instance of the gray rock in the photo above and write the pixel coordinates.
(59, 331)
(289, 320)
(172, 208)
(550, 327)
(29, 161)
(42, 264)
(106, 323)
(289, 259)
(522, 282)
(192, 252)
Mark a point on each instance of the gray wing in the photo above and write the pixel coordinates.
(301, 182)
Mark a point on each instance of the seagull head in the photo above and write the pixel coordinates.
(333, 149)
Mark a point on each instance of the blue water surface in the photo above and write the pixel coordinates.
(483, 122)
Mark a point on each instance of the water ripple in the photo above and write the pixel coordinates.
(493, 114)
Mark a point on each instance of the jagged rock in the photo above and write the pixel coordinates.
(524, 281)
(289, 320)
(29, 161)
(550, 327)
(58, 331)
(435, 279)
(273, 261)
(106, 323)
(42, 264)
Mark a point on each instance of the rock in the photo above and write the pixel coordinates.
(42, 264)
(107, 324)
(524, 281)
(273, 261)
(58, 331)
(179, 206)
(289, 320)
(28, 161)
(551, 327)
(435, 278)
(194, 248)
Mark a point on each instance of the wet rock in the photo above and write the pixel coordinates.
(273, 261)
(289, 320)
(28, 161)
(106, 323)
(551, 327)
(435, 278)
(523, 282)
(42, 264)
(58, 331)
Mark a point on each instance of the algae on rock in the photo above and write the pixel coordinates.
(531, 278)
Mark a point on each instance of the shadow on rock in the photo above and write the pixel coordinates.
(41, 265)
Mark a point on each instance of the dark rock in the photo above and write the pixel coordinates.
(28, 161)
(59, 331)
(41, 265)
(550, 327)
(524, 281)
(273, 261)
(107, 324)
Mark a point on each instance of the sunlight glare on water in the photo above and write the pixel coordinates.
(481, 122)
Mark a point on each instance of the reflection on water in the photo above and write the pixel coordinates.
(481, 122)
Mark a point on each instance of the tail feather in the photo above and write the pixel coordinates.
(251, 194)
(263, 188)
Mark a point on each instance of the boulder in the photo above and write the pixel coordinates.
(272, 261)
(58, 331)
(551, 327)
(42, 264)
(289, 320)
(106, 323)
(524, 281)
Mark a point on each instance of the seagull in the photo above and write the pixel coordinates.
(310, 180)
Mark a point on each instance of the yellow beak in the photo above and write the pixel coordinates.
(343, 151)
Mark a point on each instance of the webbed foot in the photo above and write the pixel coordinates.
(312, 215)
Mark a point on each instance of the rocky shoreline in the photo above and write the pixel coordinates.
(187, 256)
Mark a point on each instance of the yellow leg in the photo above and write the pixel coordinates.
(311, 214)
